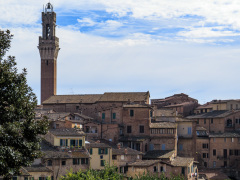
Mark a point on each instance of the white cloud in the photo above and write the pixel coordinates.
(86, 22)
(138, 61)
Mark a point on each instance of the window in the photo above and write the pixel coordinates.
(229, 123)
(49, 162)
(214, 164)
(114, 157)
(75, 142)
(63, 163)
(84, 161)
(180, 147)
(214, 139)
(77, 107)
(129, 129)
(25, 178)
(236, 121)
(211, 120)
(114, 115)
(102, 163)
(225, 164)
(189, 130)
(63, 142)
(87, 129)
(197, 121)
(122, 157)
(103, 116)
(204, 121)
(214, 152)
(232, 139)
(131, 113)
(238, 140)
(205, 155)
(141, 129)
(155, 169)
(225, 139)
(205, 146)
(237, 152)
(205, 164)
(90, 151)
(163, 146)
(102, 150)
(183, 170)
(75, 161)
(230, 152)
(161, 169)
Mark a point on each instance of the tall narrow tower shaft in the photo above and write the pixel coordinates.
(48, 49)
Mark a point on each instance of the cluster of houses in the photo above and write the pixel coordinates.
(174, 135)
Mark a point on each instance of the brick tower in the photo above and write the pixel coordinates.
(48, 48)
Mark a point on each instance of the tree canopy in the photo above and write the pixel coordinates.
(19, 140)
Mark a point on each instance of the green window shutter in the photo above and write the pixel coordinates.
(71, 142)
(91, 151)
(80, 142)
(82, 161)
(99, 150)
(61, 142)
(103, 115)
(66, 142)
(114, 115)
(106, 150)
(86, 160)
(102, 162)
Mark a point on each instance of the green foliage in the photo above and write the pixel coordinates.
(106, 173)
(19, 141)
(148, 176)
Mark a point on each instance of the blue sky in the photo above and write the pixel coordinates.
(164, 47)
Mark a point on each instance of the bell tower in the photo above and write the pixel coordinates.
(48, 49)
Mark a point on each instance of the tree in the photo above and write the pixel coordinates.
(107, 173)
(19, 140)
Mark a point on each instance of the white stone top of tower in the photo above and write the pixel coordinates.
(49, 8)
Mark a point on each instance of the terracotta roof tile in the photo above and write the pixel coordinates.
(97, 145)
(93, 98)
(37, 168)
(66, 132)
(182, 161)
(159, 154)
(163, 125)
(125, 96)
(213, 114)
(144, 163)
(125, 150)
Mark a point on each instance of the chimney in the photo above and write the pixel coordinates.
(119, 146)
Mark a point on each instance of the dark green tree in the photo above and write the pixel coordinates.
(19, 131)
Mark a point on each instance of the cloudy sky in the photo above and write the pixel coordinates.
(161, 46)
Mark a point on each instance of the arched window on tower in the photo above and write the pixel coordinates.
(48, 29)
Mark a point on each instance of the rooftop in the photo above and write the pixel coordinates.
(93, 98)
(66, 132)
(97, 145)
(159, 154)
(213, 114)
(37, 168)
(181, 161)
(125, 150)
(163, 125)
(225, 134)
(144, 163)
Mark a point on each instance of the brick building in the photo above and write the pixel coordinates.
(181, 104)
